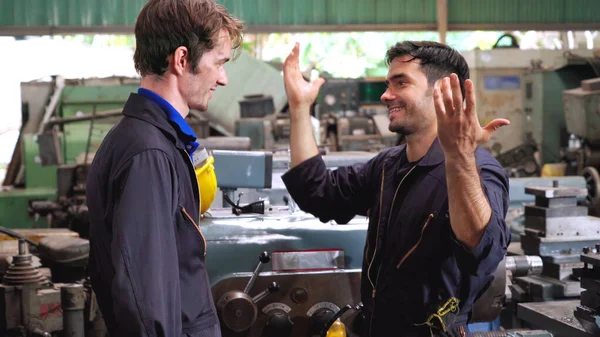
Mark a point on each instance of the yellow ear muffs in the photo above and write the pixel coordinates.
(207, 179)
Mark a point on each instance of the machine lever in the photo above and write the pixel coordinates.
(262, 259)
(257, 207)
(339, 314)
(272, 288)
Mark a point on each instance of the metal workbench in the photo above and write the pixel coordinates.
(554, 316)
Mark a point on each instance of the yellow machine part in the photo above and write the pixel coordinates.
(207, 183)
(337, 329)
(554, 170)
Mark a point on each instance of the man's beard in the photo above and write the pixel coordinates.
(401, 130)
(414, 118)
(400, 125)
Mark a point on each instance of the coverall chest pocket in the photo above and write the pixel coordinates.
(196, 299)
(430, 245)
(191, 241)
(435, 242)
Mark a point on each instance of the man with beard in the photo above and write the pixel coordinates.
(436, 205)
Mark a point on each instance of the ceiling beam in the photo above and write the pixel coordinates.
(442, 19)
(60, 30)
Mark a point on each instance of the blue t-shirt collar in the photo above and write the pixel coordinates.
(185, 132)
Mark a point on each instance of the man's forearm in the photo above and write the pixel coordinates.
(302, 142)
(470, 211)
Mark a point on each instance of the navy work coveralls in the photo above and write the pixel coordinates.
(414, 268)
(147, 254)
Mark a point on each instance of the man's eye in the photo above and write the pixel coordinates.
(396, 84)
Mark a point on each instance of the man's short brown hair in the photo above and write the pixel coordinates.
(165, 25)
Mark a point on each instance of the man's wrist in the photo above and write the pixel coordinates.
(460, 161)
(299, 112)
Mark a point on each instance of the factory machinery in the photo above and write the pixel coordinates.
(561, 224)
(274, 270)
(583, 122)
(348, 116)
(65, 120)
(564, 298)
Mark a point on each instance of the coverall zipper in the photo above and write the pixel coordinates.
(377, 239)
(376, 233)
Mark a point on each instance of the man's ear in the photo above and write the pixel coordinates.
(179, 60)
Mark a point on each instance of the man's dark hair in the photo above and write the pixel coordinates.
(437, 60)
(165, 25)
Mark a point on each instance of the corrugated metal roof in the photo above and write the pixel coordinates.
(18, 17)
(69, 12)
(332, 12)
(519, 11)
(254, 12)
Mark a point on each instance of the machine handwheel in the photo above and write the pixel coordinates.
(236, 309)
(592, 180)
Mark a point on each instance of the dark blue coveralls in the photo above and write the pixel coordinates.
(147, 253)
(417, 278)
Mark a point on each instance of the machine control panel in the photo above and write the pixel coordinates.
(285, 304)
(339, 97)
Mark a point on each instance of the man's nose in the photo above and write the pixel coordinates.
(222, 80)
(388, 96)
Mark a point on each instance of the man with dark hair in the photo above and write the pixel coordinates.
(436, 205)
(147, 253)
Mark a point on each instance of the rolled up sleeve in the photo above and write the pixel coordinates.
(486, 256)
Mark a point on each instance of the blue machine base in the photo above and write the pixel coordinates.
(485, 326)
